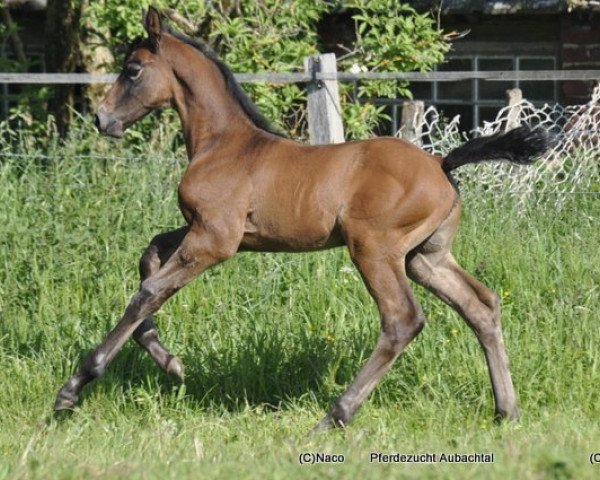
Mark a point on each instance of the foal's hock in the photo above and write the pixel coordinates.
(247, 188)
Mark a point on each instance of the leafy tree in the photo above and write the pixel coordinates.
(62, 55)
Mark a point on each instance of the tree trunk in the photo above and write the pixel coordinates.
(96, 56)
(62, 55)
(15, 40)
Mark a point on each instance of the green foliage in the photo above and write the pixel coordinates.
(121, 19)
(390, 37)
(394, 37)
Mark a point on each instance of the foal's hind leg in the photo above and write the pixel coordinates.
(433, 266)
(146, 335)
(401, 321)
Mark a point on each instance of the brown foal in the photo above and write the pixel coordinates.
(249, 189)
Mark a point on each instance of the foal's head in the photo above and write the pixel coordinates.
(145, 83)
(170, 68)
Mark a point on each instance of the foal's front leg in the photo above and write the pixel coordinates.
(195, 254)
(161, 248)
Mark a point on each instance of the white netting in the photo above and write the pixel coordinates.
(571, 166)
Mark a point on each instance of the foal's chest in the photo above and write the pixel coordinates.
(217, 192)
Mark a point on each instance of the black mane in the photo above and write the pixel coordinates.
(233, 87)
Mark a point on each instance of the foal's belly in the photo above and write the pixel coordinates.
(255, 243)
(290, 233)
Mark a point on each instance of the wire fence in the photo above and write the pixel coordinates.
(572, 166)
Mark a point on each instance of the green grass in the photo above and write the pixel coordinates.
(269, 341)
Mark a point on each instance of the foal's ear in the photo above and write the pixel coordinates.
(152, 24)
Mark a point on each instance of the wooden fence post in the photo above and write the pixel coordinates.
(324, 111)
(411, 122)
(514, 96)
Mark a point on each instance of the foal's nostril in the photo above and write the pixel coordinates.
(97, 122)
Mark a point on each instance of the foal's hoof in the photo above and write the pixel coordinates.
(327, 423)
(175, 367)
(66, 398)
(64, 403)
(512, 416)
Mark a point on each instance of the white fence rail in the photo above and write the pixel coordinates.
(305, 77)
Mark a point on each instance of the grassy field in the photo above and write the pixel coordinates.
(269, 341)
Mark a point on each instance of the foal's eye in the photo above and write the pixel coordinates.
(133, 70)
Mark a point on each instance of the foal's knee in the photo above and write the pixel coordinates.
(147, 300)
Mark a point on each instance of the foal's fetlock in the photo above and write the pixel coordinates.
(94, 366)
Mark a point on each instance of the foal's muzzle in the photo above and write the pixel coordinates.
(107, 124)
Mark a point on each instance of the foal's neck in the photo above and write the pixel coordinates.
(209, 114)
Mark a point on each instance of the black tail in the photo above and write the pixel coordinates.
(522, 145)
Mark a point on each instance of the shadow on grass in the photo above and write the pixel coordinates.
(268, 376)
